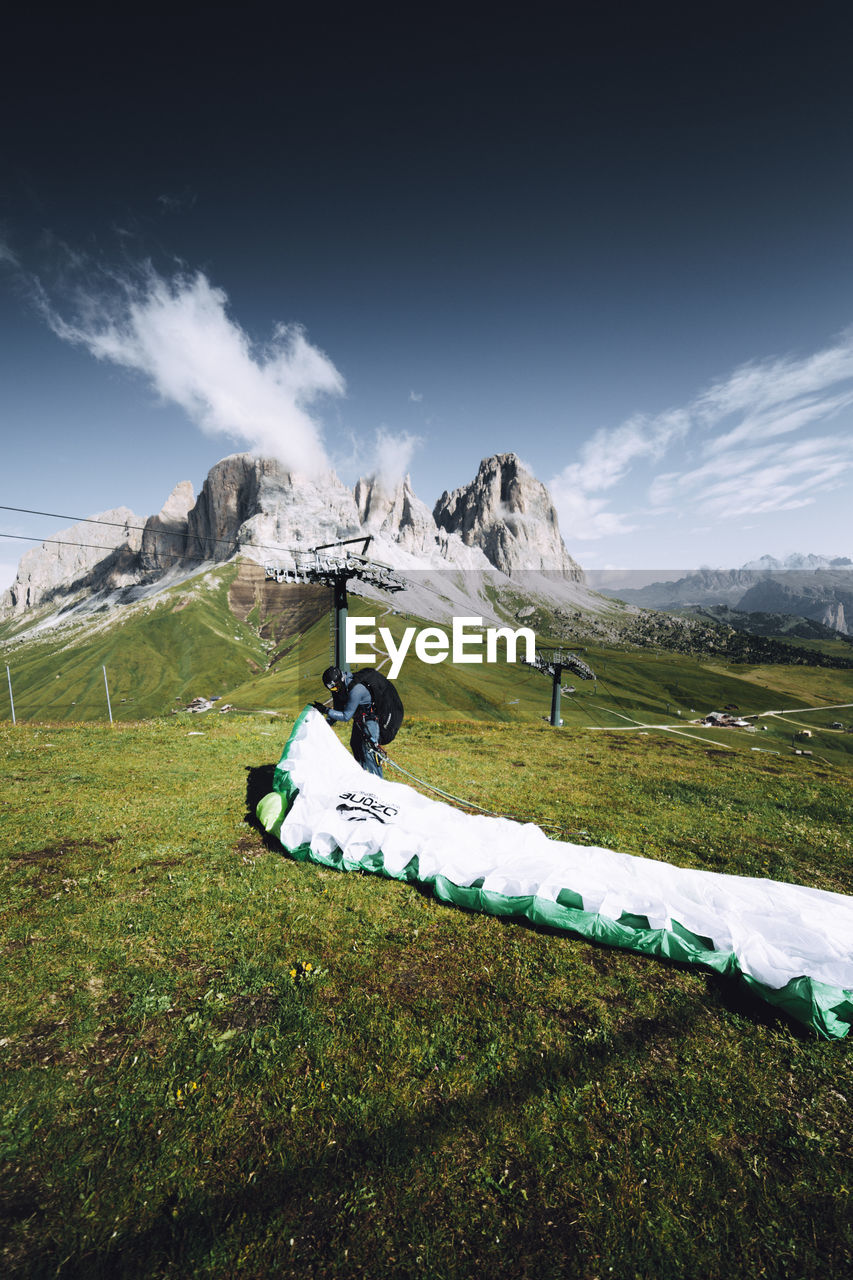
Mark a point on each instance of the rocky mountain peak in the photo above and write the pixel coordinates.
(503, 519)
(798, 560)
(164, 538)
(99, 552)
(396, 513)
(507, 512)
(249, 502)
(179, 502)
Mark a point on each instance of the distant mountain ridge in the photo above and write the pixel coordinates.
(817, 588)
(796, 560)
(504, 519)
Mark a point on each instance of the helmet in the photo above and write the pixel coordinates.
(333, 678)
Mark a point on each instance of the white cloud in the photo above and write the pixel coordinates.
(764, 425)
(172, 203)
(605, 461)
(392, 456)
(767, 384)
(609, 453)
(742, 427)
(583, 518)
(416, 396)
(770, 479)
(178, 334)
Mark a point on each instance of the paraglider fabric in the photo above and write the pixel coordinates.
(791, 944)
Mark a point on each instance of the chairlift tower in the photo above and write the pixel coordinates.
(553, 662)
(335, 571)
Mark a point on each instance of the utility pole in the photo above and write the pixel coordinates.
(335, 571)
(107, 687)
(553, 662)
(11, 699)
(341, 607)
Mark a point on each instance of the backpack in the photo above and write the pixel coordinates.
(387, 704)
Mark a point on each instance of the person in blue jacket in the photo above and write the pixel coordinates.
(359, 708)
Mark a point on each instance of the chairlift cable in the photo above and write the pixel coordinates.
(109, 524)
(157, 533)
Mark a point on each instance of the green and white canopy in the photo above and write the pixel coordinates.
(791, 944)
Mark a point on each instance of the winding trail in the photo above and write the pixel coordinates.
(664, 728)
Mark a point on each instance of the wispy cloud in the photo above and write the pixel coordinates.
(770, 383)
(742, 430)
(171, 202)
(756, 481)
(765, 424)
(605, 460)
(416, 396)
(178, 334)
(392, 456)
(608, 455)
(584, 518)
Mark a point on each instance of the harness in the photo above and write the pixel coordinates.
(366, 713)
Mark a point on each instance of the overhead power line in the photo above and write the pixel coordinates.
(62, 542)
(155, 533)
(110, 524)
(145, 528)
(128, 528)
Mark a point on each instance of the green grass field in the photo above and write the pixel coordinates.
(220, 1062)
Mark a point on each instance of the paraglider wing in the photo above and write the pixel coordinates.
(791, 944)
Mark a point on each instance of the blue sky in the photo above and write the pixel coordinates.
(619, 244)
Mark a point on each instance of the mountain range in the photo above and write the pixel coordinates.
(503, 523)
(498, 532)
(818, 588)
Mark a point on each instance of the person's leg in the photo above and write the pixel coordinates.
(361, 748)
(357, 743)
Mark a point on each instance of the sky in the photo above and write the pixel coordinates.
(617, 243)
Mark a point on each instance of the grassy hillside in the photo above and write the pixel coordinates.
(159, 655)
(188, 642)
(220, 1062)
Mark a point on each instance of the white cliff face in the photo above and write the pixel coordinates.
(255, 505)
(164, 538)
(509, 514)
(834, 617)
(101, 552)
(396, 516)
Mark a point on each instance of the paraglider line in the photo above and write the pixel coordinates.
(469, 804)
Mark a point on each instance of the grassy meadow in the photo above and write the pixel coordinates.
(220, 1062)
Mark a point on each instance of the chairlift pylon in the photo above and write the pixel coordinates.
(335, 571)
(553, 662)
